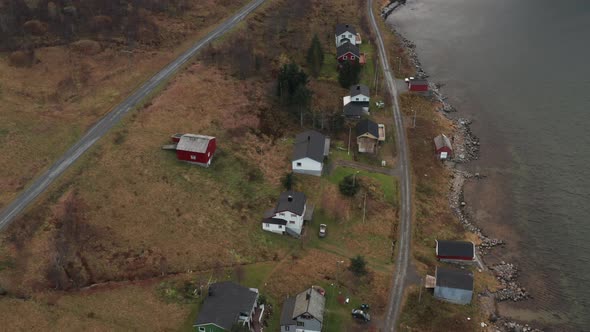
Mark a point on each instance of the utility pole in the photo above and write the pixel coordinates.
(399, 64)
(349, 134)
(414, 121)
(364, 207)
(354, 178)
(421, 286)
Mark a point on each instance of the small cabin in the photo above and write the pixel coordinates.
(443, 147)
(418, 85)
(455, 286)
(455, 251)
(195, 149)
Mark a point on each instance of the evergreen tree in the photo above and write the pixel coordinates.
(349, 74)
(349, 186)
(358, 266)
(315, 56)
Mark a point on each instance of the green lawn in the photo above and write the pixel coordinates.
(388, 183)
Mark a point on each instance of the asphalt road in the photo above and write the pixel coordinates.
(403, 244)
(108, 121)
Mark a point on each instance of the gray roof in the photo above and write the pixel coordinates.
(194, 143)
(452, 278)
(311, 302)
(274, 221)
(367, 126)
(225, 303)
(441, 141)
(455, 248)
(309, 144)
(347, 47)
(292, 201)
(359, 89)
(419, 82)
(344, 27)
(356, 109)
(287, 312)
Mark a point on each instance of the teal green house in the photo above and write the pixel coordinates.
(226, 305)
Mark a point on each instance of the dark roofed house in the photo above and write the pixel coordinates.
(443, 147)
(359, 93)
(367, 136)
(455, 251)
(226, 305)
(305, 312)
(454, 286)
(288, 215)
(418, 85)
(348, 52)
(356, 110)
(309, 151)
(345, 33)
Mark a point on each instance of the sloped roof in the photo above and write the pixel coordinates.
(441, 141)
(309, 144)
(454, 248)
(194, 143)
(274, 221)
(419, 82)
(344, 27)
(356, 108)
(311, 302)
(367, 126)
(452, 278)
(292, 201)
(347, 47)
(224, 305)
(359, 89)
(287, 312)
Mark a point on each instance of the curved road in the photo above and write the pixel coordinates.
(403, 244)
(108, 121)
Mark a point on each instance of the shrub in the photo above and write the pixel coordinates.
(86, 46)
(349, 74)
(358, 266)
(22, 58)
(35, 27)
(349, 186)
(288, 181)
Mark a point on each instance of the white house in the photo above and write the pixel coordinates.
(359, 93)
(288, 215)
(357, 103)
(345, 33)
(303, 313)
(308, 153)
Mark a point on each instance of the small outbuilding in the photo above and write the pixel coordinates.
(194, 149)
(418, 85)
(309, 152)
(455, 251)
(443, 147)
(455, 286)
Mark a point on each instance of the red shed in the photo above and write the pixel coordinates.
(443, 147)
(455, 251)
(196, 149)
(418, 85)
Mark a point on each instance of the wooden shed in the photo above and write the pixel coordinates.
(196, 149)
(455, 251)
(443, 147)
(455, 286)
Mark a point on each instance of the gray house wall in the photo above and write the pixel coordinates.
(459, 296)
(309, 325)
(291, 328)
(308, 172)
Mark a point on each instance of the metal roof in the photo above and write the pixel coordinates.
(441, 141)
(274, 221)
(367, 126)
(451, 278)
(194, 143)
(418, 82)
(359, 89)
(347, 47)
(455, 248)
(292, 201)
(344, 27)
(224, 305)
(310, 144)
(311, 302)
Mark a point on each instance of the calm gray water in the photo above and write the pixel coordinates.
(521, 69)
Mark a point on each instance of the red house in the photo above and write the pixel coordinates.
(443, 147)
(455, 251)
(418, 85)
(196, 149)
(348, 52)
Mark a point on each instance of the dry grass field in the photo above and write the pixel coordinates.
(129, 217)
(48, 106)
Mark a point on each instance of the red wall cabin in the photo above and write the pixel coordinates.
(418, 85)
(196, 148)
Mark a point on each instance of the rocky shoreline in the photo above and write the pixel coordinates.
(466, 148)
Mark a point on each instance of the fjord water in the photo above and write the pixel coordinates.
(521, 70)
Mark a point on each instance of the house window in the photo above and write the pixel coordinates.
(300, 324)
(280, 226)
(344, 57)
(282, 214)
(292, 222)
(193, 157)
(286, 327)
(352, 57)
(268, 225)
(299, 164)
(357, 98)
(201, 329)
(349, 36)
